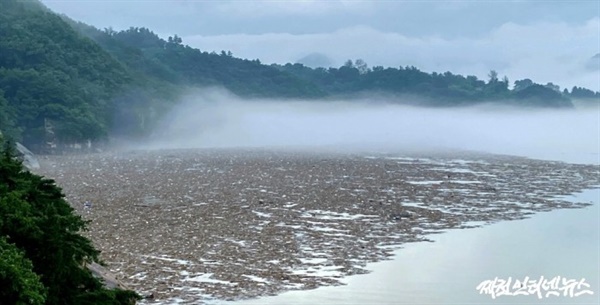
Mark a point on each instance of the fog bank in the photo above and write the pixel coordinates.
(213, 118)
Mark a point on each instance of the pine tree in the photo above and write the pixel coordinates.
(36, 219)
(19, 285)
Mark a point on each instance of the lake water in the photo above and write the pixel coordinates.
(561, 243)
(558, 243)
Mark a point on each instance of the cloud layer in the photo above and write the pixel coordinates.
(544, 52)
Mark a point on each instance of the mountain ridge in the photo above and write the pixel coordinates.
(64, 83)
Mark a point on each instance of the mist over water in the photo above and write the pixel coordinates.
(214, 118)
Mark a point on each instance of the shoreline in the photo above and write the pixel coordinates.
(198, 225)
(410, 277)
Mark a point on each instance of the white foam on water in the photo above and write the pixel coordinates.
(330, 215)
(255, 278)
(426, 182)
(447, 271)
(313, 260)
(207, 278)
(261, 214)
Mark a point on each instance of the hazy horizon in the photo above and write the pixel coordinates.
(214, 118)
(544, 41)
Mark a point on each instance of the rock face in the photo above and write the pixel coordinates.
(108, 278)
(28, 158)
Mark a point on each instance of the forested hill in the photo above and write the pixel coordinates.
(50, 74)
(433, 89)
(63, 82)
(143, 52)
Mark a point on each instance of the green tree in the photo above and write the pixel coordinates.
(493, 76)
(553, 87)
(8, 126)
(541, 96)
(522, 84)
(583, 93)
(361, 65)
(19, 285)
(35, 217)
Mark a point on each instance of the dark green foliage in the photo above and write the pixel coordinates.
(35, 218)
(435, 89)
(541, 96)
(522, 84)
(50, 72)
(19, 285)
(8, 126)
(171, 61)
(583, 93)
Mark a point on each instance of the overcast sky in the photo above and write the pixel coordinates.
(547, 41)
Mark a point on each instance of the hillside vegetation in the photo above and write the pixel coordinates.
(65, 83)
(42, 252)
